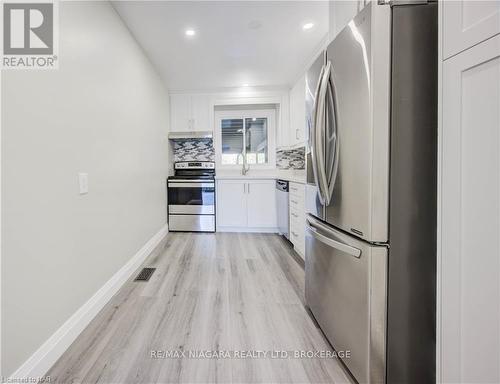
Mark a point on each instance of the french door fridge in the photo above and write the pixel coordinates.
(371, 222)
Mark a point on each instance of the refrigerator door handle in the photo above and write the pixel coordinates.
(332, 104)
(316, 126)
(320, 117)
(313, 224)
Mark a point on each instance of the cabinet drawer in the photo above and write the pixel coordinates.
(297, 229)
(296, 202)
(297, 189)
(295, 214)
(298, 224)
(296, 238)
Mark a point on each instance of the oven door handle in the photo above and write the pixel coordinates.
(191, 185)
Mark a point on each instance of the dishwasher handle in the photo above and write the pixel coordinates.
(282, 185)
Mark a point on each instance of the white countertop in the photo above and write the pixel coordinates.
(289, 175)
(246, 177)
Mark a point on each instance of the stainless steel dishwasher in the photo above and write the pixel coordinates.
(282, 205)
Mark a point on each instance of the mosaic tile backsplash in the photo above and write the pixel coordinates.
(291, 159)
(194, 150)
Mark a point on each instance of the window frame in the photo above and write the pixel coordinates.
(243, 114)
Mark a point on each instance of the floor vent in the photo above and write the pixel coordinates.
(145, 274)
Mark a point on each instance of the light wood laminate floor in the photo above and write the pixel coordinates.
(224, 292)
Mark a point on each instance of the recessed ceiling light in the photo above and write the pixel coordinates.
(307, 26)
(190, 32)
(246, 85)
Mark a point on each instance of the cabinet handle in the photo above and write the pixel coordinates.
(244, 188)
(294, 234)
(295, 215)
(248, 187)
(297, 134)
(294, 201)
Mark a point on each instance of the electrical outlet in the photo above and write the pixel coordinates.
(83, 181)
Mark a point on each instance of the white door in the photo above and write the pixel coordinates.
(467, 23)
(231, 203)
(180, 113)
(470, 222)
(200, 112)
(262, 204)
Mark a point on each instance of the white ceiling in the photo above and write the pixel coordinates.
(260, 43)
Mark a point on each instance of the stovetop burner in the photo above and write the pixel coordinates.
(203, 170)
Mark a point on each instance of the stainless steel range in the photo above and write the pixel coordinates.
(191, 197)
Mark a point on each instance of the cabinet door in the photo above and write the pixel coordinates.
(231, 203)
(200, 112)
(180, 113)
(301, 133)
(298, 112)
(467, 23)
(262, 204)
(282, 136)
(470, 216)
(341, 12)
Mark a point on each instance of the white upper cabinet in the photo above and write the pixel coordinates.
(298, 132)
(189, 113)
(283, 127)
(341, 12)
(467, 23)
(200, 112)
(179, 113)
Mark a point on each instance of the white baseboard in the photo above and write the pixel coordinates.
(50, 351)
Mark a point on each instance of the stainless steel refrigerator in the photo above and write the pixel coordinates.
(371, 101)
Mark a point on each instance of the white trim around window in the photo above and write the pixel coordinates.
(269, 114)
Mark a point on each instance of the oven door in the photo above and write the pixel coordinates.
(191, 197)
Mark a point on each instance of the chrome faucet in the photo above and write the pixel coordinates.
(244, 167)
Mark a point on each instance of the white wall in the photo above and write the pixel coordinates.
(102, 112)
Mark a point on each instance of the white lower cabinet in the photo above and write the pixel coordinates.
(297, 217)
(261, 201)
(246, 206)
(231, 203)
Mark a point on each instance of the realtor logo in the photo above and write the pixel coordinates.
(28, 29)
(29, 35)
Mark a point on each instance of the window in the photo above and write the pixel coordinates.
(246, 133)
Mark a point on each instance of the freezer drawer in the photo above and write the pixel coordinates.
(346, 281)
